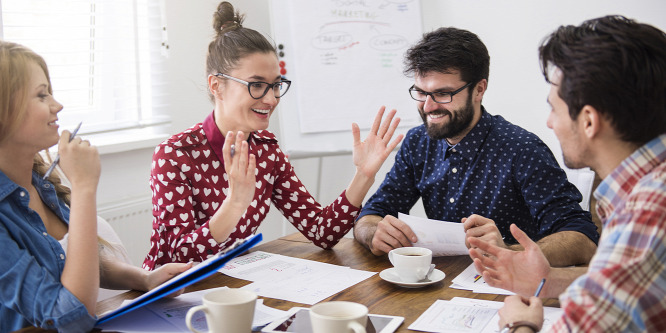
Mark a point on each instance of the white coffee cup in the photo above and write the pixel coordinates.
(411, 263)
(227, 310)
(338, 317)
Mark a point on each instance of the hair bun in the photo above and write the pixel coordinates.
(226, 19)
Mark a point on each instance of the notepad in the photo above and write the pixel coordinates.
(192, 275)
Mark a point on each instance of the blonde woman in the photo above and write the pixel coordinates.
(41, 285)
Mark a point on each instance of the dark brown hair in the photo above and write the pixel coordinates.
(617, 66)
(447, 49)
(232, 41)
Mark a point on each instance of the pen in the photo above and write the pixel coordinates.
(538, 291)
(57, 159)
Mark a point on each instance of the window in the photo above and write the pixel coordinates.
(105, 58)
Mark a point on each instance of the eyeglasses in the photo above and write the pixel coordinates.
(258, 89)
(438, 96)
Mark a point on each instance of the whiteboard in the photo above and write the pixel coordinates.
(345, 60)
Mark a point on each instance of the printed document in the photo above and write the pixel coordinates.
(292, 279)
(443, 238)
(470, 315)
(470, 279)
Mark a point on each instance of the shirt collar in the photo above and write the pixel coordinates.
(471, 143)
(615, 188)
(7, 186)
(216, 138)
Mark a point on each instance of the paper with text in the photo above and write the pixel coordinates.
(443, 238)
(293, 279)
(470, 279)
(470, 315)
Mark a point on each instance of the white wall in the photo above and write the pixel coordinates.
(511, 29)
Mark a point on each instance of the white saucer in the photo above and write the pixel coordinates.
(390, 275)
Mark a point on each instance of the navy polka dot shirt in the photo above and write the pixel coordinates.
(499, 171)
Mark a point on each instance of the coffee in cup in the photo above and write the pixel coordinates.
(227, 310)
(412, 264)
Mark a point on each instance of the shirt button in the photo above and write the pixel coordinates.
(454, 170)
(62, 256)
(44, 233)
(452, 200)
(47, 185)
(453, 150)
(22, 194)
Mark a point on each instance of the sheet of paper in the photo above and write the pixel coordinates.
(462, 314)
(470, 279)
(293, 279)
(443, 238)
(445, 316)
(550, 314)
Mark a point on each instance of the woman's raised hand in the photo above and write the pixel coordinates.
(240, 168)
(79, 160)
(370, 154)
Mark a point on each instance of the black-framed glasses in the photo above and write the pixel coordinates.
(258, 89)
(440, 97)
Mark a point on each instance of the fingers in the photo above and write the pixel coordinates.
(385, 127)
(378, 120)
(484, 246)
(226, 149)
(521, 237)
(392, 233)
(356, 132)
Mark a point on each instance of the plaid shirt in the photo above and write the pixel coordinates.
(624, 288)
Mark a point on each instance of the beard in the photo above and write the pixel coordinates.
(459, 121)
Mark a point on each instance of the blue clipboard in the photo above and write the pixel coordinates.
(192, 275)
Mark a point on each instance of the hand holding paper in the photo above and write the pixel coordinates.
(443, 238)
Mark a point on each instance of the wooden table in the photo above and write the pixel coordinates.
(379, 296)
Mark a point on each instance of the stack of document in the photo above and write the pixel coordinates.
(470, 279)
(292, 279)
(469, 315)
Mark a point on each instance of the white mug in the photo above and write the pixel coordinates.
(411, 263)
(227, 310)
(338, 317)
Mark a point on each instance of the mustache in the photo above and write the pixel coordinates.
(437, 112)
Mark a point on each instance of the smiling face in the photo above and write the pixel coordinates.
(235, 109)
(39, 129)
(451, 121)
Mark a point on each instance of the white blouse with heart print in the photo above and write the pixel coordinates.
(189, 183)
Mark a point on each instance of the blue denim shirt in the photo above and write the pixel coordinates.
(498, 170)
(31, 265)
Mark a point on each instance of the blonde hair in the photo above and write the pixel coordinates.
(15, 61)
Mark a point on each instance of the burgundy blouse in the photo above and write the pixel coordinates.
(189, 183)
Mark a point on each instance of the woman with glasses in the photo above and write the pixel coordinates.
(213, 183)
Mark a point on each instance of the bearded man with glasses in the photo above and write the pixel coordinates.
(470, 166)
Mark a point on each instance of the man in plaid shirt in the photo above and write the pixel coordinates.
(608, 110)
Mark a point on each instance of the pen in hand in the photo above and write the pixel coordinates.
(538, 291)
(57, 158)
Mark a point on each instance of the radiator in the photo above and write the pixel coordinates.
(132, 221)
